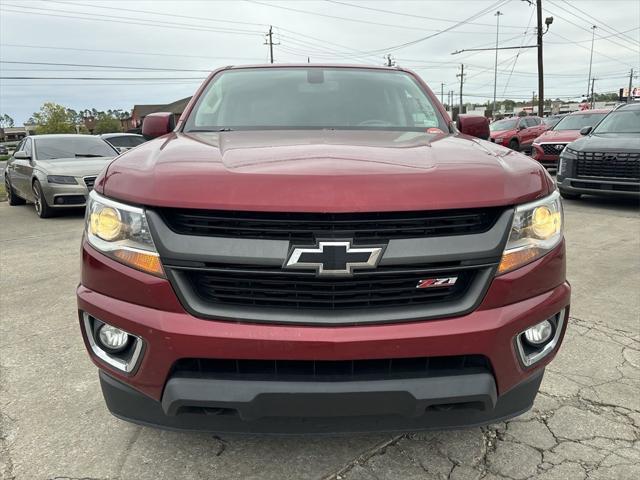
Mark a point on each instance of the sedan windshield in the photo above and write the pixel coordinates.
(621, 121)
(82, 146)
(507, 124)
(576, 122)
(314, 98)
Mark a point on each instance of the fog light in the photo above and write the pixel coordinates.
(539, 333)
(112, 339)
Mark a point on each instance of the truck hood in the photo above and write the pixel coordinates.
(561, 136)
(608, 142)
(77, 167)
(323, 171)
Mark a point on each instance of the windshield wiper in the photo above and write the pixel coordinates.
(223, 129)
(90, 155)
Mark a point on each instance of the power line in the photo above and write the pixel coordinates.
(119, 67)
(100, 78)
(123, 52)
(482, 12)
(604, 26)
(172, 15)
(123, 20)
(582, 27)
(355, 20)
(412, 15)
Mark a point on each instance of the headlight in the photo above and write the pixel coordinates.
(566, 154)
(121, 232)
(61, 179)
(536, 230)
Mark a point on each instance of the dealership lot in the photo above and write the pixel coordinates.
(586, 421)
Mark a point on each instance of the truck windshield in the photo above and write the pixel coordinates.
(622, 121)
(314, 98)
(500, 125)
(576, 122)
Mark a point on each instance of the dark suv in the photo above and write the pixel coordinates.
(606, 160)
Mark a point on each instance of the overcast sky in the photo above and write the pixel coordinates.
(195, 36)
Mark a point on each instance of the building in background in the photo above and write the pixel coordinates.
(134, 122)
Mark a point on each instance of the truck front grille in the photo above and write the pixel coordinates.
(608, 165)
(305, 227)
(269, 287)
(328, 370)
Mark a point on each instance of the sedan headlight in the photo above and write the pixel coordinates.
(64, 179)
(121, 232)
(536, 230)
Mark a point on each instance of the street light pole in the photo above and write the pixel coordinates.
(593, 37)
(495, 67)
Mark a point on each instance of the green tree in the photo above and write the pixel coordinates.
(53, 118)
(6, 121)
(106, 123)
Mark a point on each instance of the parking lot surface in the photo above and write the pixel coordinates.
(585, 422)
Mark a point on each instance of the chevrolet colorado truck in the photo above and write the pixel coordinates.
(319, 249)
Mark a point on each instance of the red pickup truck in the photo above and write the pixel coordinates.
(517, 133)
(319, 249)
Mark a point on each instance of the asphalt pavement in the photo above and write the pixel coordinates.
(585, 422)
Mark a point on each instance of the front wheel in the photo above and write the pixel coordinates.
(514, 145)
(569, 196)
(40, 202)
(12, 198)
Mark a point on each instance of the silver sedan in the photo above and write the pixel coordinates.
(55, 172)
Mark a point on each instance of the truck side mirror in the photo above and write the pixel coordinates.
(586, 130)
(158, 124)
(474, 125)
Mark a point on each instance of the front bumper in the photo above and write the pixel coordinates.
(60, 195)
(596, 186)
(294, 408)
(147, 307)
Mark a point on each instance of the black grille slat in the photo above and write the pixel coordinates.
(550, 148)
(361, 227)
(331, 370)
(90, 182)
(608, 165)
(373, 289)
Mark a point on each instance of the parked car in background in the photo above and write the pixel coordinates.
(517, 133)
(547, 147)
(606, 160)
(55, 171)
(552, 120)
(123, 141)
(4, 150)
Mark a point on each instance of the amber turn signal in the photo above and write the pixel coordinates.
(147, 262)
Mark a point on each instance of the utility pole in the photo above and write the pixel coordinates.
(495, 67)
(630, 86)
(593, 81)
(461, 75)
(540, 62)
(442, 92)
(270, 43)
(593, 37)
